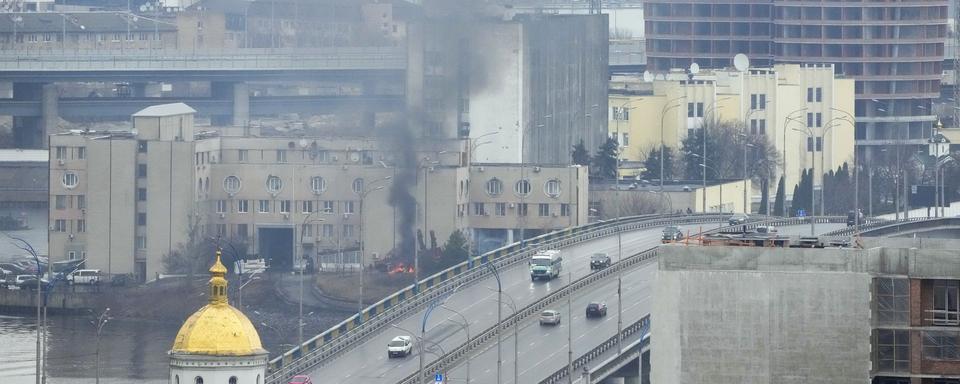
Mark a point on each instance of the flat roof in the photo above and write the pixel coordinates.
(24, 155)
(162, 110)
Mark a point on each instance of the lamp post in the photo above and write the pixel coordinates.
(783, 171)
(569, 331)
(419, 350)
(474, 143)
(25, 246)
(516, 338)
(746, 119)
(303, 227)
(423, 164)
(496, 274)
(466, 327)
(812, 148)
(705, 167)
(365, 190)
(100, 322)
(709, 111)
(663, 114)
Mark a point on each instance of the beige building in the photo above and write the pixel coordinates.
(123, 200)
(638, 198)
(84, 31)
(777, 102)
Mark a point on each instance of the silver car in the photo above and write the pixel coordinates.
(550, 317)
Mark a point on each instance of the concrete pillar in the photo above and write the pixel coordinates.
(241, 104)
(645, 368)
(138, 89)
(631, 380)
(27, 91)
(50, 117)
(26, 132)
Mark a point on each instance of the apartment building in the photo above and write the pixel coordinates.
(123, 200)
(84, 31)
(783, 103)
(886, 315)
(893, 49)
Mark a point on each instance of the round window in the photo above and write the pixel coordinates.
(274, 184)
(231, 184)
(70, 180)
(552, 188)
(522, 188)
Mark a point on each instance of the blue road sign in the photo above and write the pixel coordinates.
(801, 213)
(438, 378)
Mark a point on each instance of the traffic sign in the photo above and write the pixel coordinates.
(801, 213)
(438, 377)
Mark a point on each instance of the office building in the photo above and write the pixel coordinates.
(894, 50)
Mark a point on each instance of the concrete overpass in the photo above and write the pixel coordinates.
(355, 350)
(36, 105)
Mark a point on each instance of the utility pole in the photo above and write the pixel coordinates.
(569, 331)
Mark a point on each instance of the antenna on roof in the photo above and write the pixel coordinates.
(694, 68)
(741, 62)
(647, 76)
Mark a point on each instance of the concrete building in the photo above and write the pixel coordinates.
(84, 31)
(123, 200)
(753, 315)
(283, 198)
(23, 178)
(780, 103)
(893, 49)
(642, 197)
(529, 85)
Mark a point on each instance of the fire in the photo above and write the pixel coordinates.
(400, 268)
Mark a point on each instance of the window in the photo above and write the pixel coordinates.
(357, 185)
(263, 206)
(318, 185)
(544, 209)
(819, 94)
(141, 170)
(814, 94)
(347, 207)
(72, 255)
(809, 120)
(694, 109)
(762, 124)
(347, 230)
(939, 345)
(327, 206)
(70, 180)
(243, 206)
(522, 209)
(198, 380)
(81, 153)
(242, 155)
(479, 209)
(221, 206)
(893, 300)
(893, 350)
(81, 225)
(621, 113)
(231, 185)
(946, 294)
(819, 119)
(758, 101)
(753, 126)
(141, 194)
(564, 210)
(60, 225)
(232, 380)
(522, 187)
(809, 94)
(625, 139)
(81, 202)
(221, 230)
(284, 206)
(61, 153)
(141, 242)
(552, 188)
(142, 146)
(281, 156)
(306, 206)
(500, 209)
(274, 184)
(327, 230)
(494, 187)
(61, 202)
(819, 144)
(141, 218)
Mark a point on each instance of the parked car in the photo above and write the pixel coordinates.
(599, 261)
(854, 218)
(550, 317)
(766, 229)
(740, 218)
(596, 309)
(400, 346)
(25, 281)
(671, 233)
(84, 276)
(300, 379)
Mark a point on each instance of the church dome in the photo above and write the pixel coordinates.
(218, 329)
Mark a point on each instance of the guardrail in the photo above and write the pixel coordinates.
(871, 224)
(778, 222)
(344, 336)
(640, 327)
(454, 357)
(632, 350)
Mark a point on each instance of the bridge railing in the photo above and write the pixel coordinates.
(631, 350)
(456, 356)
(350, 332)
(341, 58)
(640, 327)
(872, 224)
(777, 222)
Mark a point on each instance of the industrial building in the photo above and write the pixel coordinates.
(894, 50)
(124, 200)
(886, 314)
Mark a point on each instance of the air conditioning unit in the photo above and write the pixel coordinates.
(83, 211)
(273, 195)
(335, 158)
(512, 205)
(480, 169)
(60, 161)
(536, 169)
(222, 215)
(554, 214)
(375, 255)
(71, 236)
(286, 216)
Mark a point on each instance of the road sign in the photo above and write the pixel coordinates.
(438, 377)
(801, 213)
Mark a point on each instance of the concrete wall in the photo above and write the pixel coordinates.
(737, 315)
(496, 103)
(169, 203)
(111, 212)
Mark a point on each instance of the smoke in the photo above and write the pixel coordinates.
(398, 133)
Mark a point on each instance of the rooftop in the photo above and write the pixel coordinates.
(23, 155)
(162, 110)
(91, 22)
(654, 185)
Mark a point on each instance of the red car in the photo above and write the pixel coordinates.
(301, 379)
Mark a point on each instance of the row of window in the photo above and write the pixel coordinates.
(274, 184)
(72, 226)
(283, 156)
(62, 202)
(101, 37)
(329, 231)
(70, 153)
(494, 187)
(284, 206)
(500, 209)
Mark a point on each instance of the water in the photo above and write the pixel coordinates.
(36, 235)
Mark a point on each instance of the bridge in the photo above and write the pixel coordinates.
(36, 103)
(355, 349)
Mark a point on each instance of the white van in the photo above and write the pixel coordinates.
(546, 264)
(84, 276)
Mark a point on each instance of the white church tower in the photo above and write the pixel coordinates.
(217, 344)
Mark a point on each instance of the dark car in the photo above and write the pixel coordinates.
(738, 219)
(599, 261)
(596, 309)
(854, 218)
(671, 233)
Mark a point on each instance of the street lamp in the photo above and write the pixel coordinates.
(663, 113)
(705, 167)
(425, 164)
(812, 148)
(303, 227)
(419, 349)
(746, 119)
(783, 170)
(703, 132)
(365, 190)
(496, 274)
(474, 143)
(466, 327)
(100, 322)
(516, 339)
(25, 246)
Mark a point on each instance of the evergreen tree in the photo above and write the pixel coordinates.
(605, 161)
(652, 165)
(795, 203)
(580, 154)
(780, 200)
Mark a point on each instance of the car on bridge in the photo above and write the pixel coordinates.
(740, 218)
(550, 317)
(671, 233)
(596, 309)
(300, 379)
(400, 346)
(599, 261)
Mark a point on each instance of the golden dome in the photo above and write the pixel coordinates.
(218, 328)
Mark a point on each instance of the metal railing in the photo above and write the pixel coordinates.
(871, 224)
(456, 355)
(640, 327)
(777, 222)
(347, 334)
(632, 350)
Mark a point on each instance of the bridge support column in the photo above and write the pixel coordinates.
(33, 131)
(241, 104)
(146, 89)
(645, 368)
(368, 118)
(50, 118)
